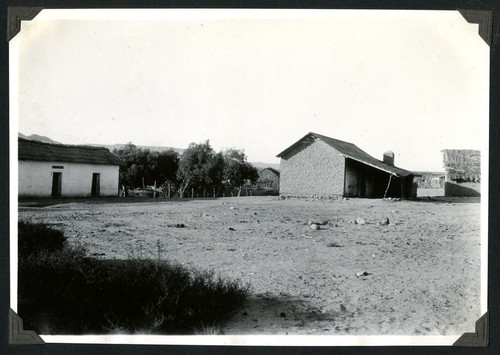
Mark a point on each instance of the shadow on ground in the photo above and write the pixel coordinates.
(448, 199)
(44, 202)
(283, 314)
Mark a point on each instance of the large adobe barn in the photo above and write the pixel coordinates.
(321, 166)
(54, 170)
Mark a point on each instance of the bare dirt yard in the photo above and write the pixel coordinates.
(417, 275)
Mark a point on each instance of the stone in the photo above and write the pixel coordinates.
(428, 325)
(362, 273)
(384, 222)
(360, 221)
(315, 227)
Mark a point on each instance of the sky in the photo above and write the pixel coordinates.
(414, 82)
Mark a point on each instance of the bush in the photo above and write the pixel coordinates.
(52, 291)
(66, 292)
(34, 238)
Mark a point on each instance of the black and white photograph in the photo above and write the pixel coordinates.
(249, 176)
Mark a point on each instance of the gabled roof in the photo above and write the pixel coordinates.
(38, 151)
(274, 171)
(347, 150)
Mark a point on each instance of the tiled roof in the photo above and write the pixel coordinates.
(348, 150)
(38, 151)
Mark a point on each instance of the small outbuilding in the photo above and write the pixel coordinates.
(325, 167)
(269, 178)
(462, 172)
(58, 170)
(430, 179)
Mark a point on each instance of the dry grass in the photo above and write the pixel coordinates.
(63, 291)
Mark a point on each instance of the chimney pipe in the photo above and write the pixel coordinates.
(389, 158)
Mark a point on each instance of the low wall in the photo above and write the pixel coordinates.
(463, 189)
(316, 197)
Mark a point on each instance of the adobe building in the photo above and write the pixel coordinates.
(269, 178)
(57, 170)
(324, 167)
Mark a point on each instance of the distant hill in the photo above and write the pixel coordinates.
(36, 137)
(153, 148)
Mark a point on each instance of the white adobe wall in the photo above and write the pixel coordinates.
(317, 170)
(35, 179)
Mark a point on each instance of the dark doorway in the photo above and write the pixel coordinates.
(96, 184)
(56, 184)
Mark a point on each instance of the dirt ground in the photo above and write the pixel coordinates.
(421, 271)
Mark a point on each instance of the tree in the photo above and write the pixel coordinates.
(161, 166)
(168, 163)
(128, 168)
(237, 171)
(142, 167)
(216, 173)
(199, 168)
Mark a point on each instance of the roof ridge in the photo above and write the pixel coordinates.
(270, 168)
(335, 139)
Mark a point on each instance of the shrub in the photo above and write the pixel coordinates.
(52, 291)
(34, 238)
(66, 292)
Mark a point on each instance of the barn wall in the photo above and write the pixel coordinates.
(314, 170)
(35, 179)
